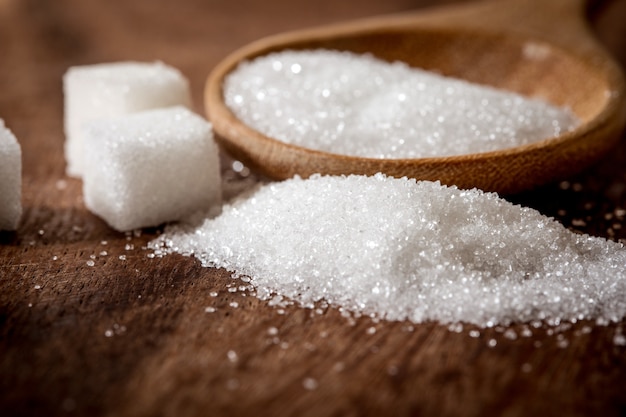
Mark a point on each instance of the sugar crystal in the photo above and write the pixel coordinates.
(310, 383)
(232, 356)
(351, 104)
(399, 249)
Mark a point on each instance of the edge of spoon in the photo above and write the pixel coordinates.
(500, 170)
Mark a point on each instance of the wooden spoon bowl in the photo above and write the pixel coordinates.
(539, 49)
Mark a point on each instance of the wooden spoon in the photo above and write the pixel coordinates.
(539, 49)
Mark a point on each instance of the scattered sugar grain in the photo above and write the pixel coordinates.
(310, 384)
(392, 370)
(526, 368)
(492, 343)
(619, 339)
(90, 262)
(406, 250)
(10, 179)
(510, 334)
(61, 184)
(232, 356)
(210, 309)
(339, 367)
(122, 257)
(456, 327)
(352, 104)
(602, 321)
(119, 328)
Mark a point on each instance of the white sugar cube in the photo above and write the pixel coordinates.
(151, 167)
(114, 89)
(10, 179)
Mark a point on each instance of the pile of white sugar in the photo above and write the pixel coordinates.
(358, 105)
(400, 249)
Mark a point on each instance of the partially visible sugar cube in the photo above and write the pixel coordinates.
(151, 167)
(10, 179)
(114, 89)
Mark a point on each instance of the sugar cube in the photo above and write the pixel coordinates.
(115, 89)
(10, 179)
(150, 167)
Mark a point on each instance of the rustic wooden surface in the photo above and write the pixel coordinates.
(131, 337)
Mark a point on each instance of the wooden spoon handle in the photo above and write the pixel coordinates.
(561, 22)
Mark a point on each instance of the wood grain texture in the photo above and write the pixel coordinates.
(130, 337)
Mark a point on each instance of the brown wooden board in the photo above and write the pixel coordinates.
(131, 336)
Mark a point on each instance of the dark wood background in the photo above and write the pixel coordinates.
(131, 337)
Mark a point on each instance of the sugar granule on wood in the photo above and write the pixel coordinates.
(359, 105)
(402, 249)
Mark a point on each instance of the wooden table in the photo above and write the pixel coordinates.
(130, 335)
